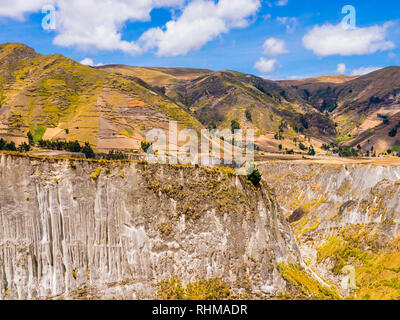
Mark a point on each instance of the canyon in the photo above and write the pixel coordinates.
(73, 228)
(79, 229)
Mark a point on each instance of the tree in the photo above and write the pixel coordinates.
(254, 177)
(88, 151)
(30, 138)
(302, 146)
(304, 122)
(235, 125)
(24, 147)
(145, 145)
(248, 115)
(11, 146)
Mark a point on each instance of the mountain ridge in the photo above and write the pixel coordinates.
(113, 106)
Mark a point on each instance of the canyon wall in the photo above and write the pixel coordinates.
(344, 215)
(75, 228)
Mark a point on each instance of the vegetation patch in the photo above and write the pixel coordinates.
(211, 289)
(302, 286)
(95, 175)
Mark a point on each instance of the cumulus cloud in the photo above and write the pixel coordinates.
(17, 9)
(99, 24)
(342, 40)
(201, 21)
(266, 66)
(90, 62)
(91, 23)
(364, 70)
(274, 47)
(96, 23)
(341, 68)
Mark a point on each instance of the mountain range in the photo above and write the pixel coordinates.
(114, 106)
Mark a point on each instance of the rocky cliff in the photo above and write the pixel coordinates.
(346, 217)
(73, 228)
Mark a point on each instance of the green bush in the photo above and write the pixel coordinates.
(235, 125)
(145, 145)
(254, 177)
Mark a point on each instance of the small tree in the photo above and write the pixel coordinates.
(235, 125)
(24, 147)
(30, 138)
(248, 115)
(254, 177)
(302, 146)
(88, 151)
(145, 145)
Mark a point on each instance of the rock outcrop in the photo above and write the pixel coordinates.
(74, 228)
(344, 215)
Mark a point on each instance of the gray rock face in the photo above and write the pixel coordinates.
(71, 228)
(338, 195)
(327, 200)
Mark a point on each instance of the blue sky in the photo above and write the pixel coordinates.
(210, 34)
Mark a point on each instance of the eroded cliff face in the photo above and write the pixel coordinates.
(72, 228)
(344, 215)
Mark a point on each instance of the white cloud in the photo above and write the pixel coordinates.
(364, 70)
(266, 66)
(91, 23)
(16, 9)
(290, 23)
(274, 47)
(201, 21)
(281, 3)
(341, 40)
(341, 68)
(90, 62)
(98, 24)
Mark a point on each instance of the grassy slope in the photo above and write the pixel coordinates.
(61, 95)
(355, 103)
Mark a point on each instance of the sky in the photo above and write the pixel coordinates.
(275, 39)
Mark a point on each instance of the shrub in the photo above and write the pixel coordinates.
(95, 175)
(145, 145)
(115, 155)
(88, 151)
(248, 115)
(348, 152)
(24, 147)
(211, 289)
(393, 132)
(254, 177)
(302, 146)
(235, 125)
(30, 138)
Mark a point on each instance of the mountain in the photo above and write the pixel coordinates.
(57, 98)
(218, 98)
(365, 109)
(114, 106)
